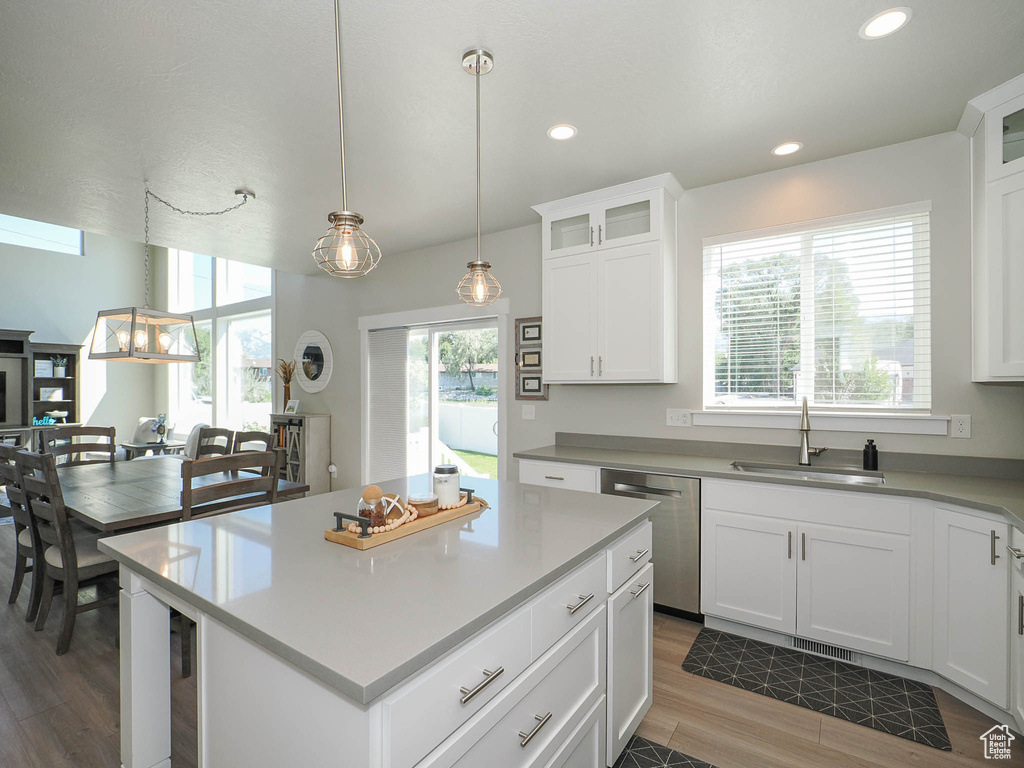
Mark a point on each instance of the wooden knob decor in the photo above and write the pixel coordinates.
(372, 493)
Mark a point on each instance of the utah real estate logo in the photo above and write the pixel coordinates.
(997, 742)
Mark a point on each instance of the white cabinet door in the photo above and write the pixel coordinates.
(585, 746)
(853, 589)
(970, 609)
(1005, 262)
(1017, 646)
(630, 220)
(748, 570)
(629, 319)
(630, 658)
(570, 319)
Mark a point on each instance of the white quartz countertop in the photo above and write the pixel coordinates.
(362, 622)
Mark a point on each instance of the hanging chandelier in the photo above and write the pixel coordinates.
(346, 250)
(144, 335)
(478, 287)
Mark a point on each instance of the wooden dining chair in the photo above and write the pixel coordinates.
(69, 558)
(67, 446)
(210, 442)
(222, 489)
(264, 440)
(25, 547)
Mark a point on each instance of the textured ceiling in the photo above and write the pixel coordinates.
(201, 97)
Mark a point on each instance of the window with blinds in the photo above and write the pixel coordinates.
(836, 310)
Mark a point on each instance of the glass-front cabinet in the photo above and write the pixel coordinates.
(622, 221)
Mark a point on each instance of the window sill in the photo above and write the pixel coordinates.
(889, 423)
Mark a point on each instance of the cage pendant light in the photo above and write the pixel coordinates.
(346, 250)
(478, 287)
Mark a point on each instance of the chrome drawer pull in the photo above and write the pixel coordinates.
(638, 592)
(553, 477)
(584, 599)
(489, 677)
(1017, 553)
(639, 554)
(526, 738)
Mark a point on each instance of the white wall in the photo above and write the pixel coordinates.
(934, 168)
(57, 296)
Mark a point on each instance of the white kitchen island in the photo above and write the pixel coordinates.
(518, 636)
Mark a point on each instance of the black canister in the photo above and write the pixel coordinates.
(871, 456)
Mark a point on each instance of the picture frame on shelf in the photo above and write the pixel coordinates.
(530, 360)
(43, 369)
(51, 394)
(292, 406)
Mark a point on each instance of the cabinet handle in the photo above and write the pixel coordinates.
(489, 677)
(1020, 614)
(803, 546)
(526, 738)
(584, 599)
(553, 477)
(600, 366)
(598, 234)
(639, 553)
(1017, 553)
(591, 365)
(789, 555)
(591, 237)
(638, 592)
(994, 555)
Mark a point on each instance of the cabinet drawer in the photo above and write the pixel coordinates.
(574, 477)
(585, 746)
(628, 555)
(418, 718)
(548, 711)
(553, 614)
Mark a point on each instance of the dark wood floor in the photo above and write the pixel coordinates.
(63, 710)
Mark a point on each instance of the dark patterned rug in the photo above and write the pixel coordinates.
(902, 707)
(641, 753)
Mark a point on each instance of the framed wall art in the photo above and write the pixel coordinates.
(529, 360)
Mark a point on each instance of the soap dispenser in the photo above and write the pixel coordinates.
(870, 456)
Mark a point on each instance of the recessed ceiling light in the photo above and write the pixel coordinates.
(885, 23)
(562, 131)
(787, 148)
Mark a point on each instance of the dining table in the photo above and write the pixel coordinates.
(134, 494)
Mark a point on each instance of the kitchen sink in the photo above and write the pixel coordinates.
(820, 474)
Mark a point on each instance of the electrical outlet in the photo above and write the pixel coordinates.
(960, 425)
(529, 412)
(677, 417)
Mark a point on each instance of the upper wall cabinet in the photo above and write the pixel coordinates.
(609, 284)
(994, 122)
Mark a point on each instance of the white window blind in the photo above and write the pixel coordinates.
(388, 398)
(835, 310)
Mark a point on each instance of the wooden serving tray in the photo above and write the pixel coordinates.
(350, 539)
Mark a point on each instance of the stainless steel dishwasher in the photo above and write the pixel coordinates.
(676, 548)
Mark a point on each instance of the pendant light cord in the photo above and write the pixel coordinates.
(341, 111)
(478, 250)
(245, 198)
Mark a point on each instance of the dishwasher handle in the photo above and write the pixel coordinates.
(647, 490)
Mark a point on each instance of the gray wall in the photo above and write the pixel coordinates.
(57, 296)
(935, 168)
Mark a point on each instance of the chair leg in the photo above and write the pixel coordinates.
(36, 593)
(20, 562)
(70, 612)
(186, 646)
(44, 602)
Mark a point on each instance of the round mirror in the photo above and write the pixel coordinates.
(314, 361)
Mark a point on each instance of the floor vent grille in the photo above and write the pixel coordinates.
(822, 649)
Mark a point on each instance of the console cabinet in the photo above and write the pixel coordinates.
(609, 284)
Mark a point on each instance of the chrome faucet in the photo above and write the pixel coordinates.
(805, 433)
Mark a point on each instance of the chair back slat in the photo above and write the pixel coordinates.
(215, 442)
(67, 445)
(40, 483)
(228, 491)
(265, 441)
(9, 479)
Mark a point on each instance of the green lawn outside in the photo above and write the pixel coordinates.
(484, 463)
